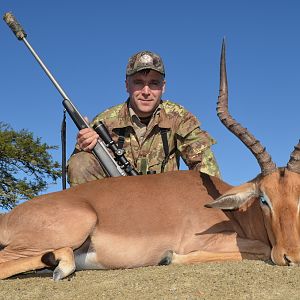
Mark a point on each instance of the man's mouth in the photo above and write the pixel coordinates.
(145, 100)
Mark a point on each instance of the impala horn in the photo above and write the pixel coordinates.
(294, 162)
(263, 158)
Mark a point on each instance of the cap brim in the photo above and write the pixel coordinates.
(144, 68)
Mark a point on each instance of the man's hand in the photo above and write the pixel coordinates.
(87, 139)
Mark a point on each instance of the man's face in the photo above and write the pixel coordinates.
(145, 91)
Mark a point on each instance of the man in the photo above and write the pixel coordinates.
(154, 133)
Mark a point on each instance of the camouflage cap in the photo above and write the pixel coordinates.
(145, 60)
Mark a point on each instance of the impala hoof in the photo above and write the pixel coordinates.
(167, 258)
(58, 274)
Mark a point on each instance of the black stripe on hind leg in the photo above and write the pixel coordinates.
(166, 259)
(49, 260)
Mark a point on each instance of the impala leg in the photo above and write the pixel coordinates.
(205, 256)
(244, 249)
(63, 260)
(12, 263)
(199, 256)
(20, 265)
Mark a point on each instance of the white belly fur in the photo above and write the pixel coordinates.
(87, 261)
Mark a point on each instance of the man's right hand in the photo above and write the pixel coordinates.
(87, 139)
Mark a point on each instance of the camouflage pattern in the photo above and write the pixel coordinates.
(146, 153)
(83, 167)
(144, 60)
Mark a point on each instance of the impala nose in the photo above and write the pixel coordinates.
(290, 261)
(287, 260)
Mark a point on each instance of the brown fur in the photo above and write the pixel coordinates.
(282, 221)
(132, 221)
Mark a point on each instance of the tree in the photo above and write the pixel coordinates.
(25, 164)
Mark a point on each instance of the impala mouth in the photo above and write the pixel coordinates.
(281, 257)
(287, 260)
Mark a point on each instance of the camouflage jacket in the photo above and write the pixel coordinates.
(146, 153)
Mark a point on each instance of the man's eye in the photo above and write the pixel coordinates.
(154, 84)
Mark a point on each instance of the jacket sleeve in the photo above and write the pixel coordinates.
(194, 146)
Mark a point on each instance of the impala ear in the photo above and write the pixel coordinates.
(235, 197)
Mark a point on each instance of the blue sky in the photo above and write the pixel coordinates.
(86, 45)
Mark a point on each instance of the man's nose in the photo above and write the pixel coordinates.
(146, 89)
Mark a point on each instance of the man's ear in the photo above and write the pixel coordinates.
(164, 86)
(235, 197)
(127, 85)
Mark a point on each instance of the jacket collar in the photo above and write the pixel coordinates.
(125, 119)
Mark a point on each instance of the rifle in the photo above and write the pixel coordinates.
(117, 166)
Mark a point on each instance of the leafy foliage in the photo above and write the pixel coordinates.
(25, 164)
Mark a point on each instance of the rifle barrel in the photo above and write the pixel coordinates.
(109, 165)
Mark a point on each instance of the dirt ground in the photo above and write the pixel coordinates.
(230, 280)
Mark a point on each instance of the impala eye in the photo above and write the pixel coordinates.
(263, 200)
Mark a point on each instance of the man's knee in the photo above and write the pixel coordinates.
(83, 167)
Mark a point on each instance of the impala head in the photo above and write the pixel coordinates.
(277, 189)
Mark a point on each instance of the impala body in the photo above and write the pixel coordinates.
(131, 222)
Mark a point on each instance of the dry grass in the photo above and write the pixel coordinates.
(231, 280)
